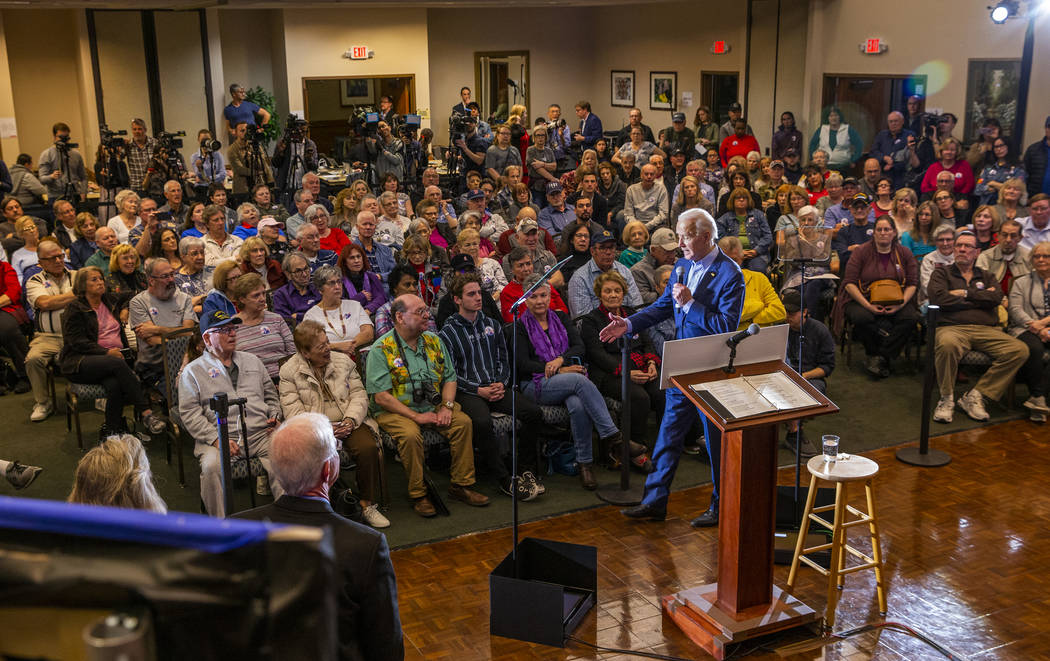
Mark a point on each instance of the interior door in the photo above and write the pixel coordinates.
(717, 91)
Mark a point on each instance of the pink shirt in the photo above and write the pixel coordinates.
(108, 329)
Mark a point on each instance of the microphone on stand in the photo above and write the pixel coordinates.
(743, 335)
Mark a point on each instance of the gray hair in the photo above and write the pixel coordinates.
(309, 176)
(414, 226)
(386, 196)
(944, 228)
(122, 197)
(152, 263)
(172, 184)
(313, 211)
(397, 305)
(299, 194)
(288, 262)
(244, 208)
(472, 214)
(325, 273)
(188, 243)
(298, 450)
(699, 220)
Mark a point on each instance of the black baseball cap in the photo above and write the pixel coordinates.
(462, 262)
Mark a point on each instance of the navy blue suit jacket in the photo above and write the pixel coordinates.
(591, 129)
(718, 302)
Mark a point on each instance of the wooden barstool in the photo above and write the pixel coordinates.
(842, 473)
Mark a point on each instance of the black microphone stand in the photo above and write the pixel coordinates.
(623, 494)
(514, 404)
(220, 403)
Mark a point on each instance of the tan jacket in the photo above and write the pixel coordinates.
(301, 391)
(992, 260)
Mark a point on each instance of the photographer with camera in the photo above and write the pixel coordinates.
(139, 151)
(386, 152)
(167, 164)
(242, 110)
(472, 146)
(294, 155)
(111, 164)
(248, 161)
(61, 168)
(209, 166)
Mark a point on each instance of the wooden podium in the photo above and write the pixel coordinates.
(744, 603)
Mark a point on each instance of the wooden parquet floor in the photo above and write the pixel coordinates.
(967, 549)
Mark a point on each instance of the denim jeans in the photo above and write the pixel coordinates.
(586, 406)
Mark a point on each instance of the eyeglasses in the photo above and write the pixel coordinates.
(302, 270)
(165, 276)
(50, 259)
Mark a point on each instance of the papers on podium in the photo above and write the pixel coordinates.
(748, 396)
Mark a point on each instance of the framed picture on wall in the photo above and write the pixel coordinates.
(663, 86)
(991, 91)
(355, 91)
(622, 86)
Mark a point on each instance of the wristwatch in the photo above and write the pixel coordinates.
(450, 405)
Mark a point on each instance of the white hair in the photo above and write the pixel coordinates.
(298, 450)
(699, 220)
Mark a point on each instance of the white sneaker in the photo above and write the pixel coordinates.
(374, 518)
(945, 409)
(262, 485)
(1037, 404)
(973, 403)
(41, 411)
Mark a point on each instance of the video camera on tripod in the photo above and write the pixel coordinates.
(63, 143)
(112, 140)
(295, 129)
(209, 146)
(458, 125)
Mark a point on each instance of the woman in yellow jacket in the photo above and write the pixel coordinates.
(762, 306)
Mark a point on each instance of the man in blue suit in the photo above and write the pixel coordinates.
(590, 125)
(706, 297)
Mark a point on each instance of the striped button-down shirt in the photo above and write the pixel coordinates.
(478, 350)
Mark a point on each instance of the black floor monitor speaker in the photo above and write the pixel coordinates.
(548, 596)
(785, 536)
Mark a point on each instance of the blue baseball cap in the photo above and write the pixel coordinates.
(217, 319)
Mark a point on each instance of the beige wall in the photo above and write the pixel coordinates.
(246, 59)
(122, 68)
(650, 46)
(181, 64)
(8, 146)
(315, 40)
(560, 63)
(45, 83)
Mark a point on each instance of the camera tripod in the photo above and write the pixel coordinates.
(296, 170)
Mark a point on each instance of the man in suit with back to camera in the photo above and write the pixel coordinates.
(705, 297)
(305, 458)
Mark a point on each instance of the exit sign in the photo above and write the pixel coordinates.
(873, 46)
(720, 47)
(359, 52)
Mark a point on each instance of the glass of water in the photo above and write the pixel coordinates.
(831, 447)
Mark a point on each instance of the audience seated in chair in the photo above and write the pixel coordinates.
(582, 297)
(261, 332)
(816, 362)
(762, 306)
(412, 383)
(878, 297)
(969, 299)
(94, 348)
(317, 379)
(216, 371)
(348, 326)
(116, 473)
(159, 309)
(550, 369)
(48, 292)
(1030, 323)
(476, 343)
(305, 457)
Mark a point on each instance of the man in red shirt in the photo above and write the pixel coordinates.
(738, 144)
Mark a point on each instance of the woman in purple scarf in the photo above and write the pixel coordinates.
(550, 354)
(359, 282)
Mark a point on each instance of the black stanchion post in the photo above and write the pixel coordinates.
(923, 455)
(623, 494)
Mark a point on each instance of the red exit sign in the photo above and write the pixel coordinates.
(359, 52)
(720, 47)
(873, 46)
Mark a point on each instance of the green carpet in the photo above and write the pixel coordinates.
(872, 415)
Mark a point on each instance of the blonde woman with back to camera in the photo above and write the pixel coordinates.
(116, 473)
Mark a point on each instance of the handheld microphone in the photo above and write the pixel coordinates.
(743, 335)
(679, 274)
